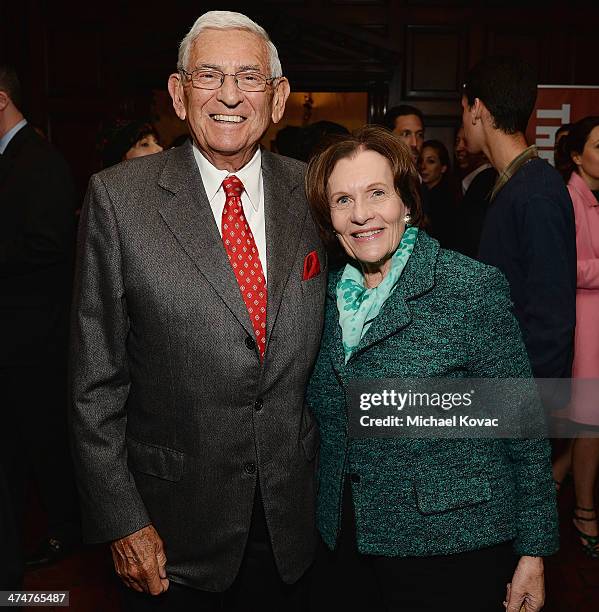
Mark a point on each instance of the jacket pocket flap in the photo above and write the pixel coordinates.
(433, 497)
(311, 442)
(154, 460)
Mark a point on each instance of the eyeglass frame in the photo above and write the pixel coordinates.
(189, 75)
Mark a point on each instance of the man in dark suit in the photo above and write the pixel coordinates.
(529, 231)
(198, 312)
(477, 178)
(37, 237)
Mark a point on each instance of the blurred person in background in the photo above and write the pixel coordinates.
(529, 229)
(434, 163)
(562, 131)
(407, 123)
(37, 237)
(434, 166)
(579, 160)
(561, 159)
(122, 139)
(476, 177)
(461, 156)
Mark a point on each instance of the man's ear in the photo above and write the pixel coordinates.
(478, 109)
(175, 89)
(279, 98)
(4, 100)
(482, 113)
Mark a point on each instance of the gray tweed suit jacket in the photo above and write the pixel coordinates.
(174, 420)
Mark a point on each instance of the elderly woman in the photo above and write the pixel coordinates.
(416, 524)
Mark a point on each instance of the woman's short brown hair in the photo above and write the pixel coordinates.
(369, 138)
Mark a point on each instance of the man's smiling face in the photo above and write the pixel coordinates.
(227, 123)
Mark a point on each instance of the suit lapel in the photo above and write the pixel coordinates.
(4, 163)
(284, 221)
(189, 217)
(15, 144)
(582, 189)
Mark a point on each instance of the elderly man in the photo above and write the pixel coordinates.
(198, 313)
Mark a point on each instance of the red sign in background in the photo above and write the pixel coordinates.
(556, 105)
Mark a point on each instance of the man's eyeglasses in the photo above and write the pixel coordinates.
(246, 80)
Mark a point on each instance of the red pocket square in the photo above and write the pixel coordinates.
(311, 266)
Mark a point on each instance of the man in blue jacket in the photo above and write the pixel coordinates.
(529, 231)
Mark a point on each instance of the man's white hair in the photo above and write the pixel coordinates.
(227, 20)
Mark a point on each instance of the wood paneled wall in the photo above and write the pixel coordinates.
(81, 61)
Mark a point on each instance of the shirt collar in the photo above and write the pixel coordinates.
(249, 175)
(467, 180)
(10, 134)
(513, 167)
(577, 183)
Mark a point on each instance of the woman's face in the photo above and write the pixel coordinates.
(144, 146)
(431, 168)
(588, 160)
(366, 211)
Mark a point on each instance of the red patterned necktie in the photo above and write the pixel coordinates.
(243, 254)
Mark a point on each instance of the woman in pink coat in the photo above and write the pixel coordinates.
(582, 149)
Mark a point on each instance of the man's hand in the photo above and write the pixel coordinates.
(140, 561)
(527, 590)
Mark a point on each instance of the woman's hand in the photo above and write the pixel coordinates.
(526, 591)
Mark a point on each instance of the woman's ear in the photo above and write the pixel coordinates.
(576, 158)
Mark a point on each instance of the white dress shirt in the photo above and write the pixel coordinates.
(9, 135)
(252, 198)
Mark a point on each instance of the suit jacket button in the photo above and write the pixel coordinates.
(355, 477)
(250, 468)
(250, 343)
(258, 404)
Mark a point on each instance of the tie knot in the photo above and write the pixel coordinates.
(233, 187)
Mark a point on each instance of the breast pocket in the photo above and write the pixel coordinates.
(317, 282)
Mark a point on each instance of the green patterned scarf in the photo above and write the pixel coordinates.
(357, 305)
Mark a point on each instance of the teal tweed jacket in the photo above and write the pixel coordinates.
(448, 316)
